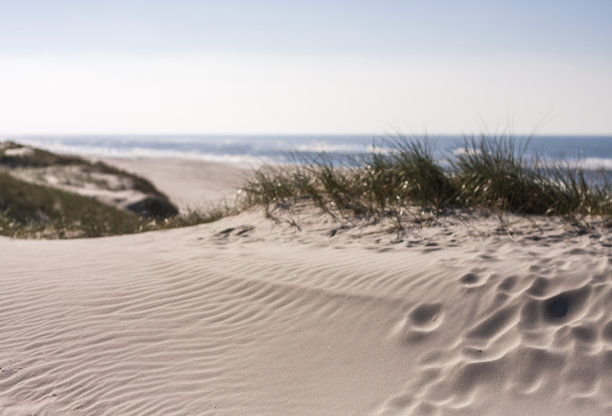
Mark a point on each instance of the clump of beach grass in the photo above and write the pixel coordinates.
(489, 172)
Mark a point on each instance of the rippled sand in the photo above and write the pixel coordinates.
(253, 316)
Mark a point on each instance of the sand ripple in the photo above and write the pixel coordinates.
(204, 322)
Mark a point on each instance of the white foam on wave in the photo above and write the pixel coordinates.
(597, 163)
(590, 163)
(251, 155)
(131, 152)
(323, 147)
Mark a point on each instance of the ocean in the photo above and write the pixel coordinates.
(591, 152)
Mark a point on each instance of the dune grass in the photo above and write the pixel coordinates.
(39, 158)
(29, 210)
(33, 211)
(489, 173)
(155, 205)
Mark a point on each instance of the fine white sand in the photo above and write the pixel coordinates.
(255, 316)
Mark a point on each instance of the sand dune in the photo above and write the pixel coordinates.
(252, 316)
(188, 183)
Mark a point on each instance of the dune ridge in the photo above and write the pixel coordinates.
(305, 313)
(252, 316)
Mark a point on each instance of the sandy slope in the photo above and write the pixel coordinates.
(251, 316)
(188, 183)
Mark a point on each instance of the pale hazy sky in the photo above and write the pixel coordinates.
(334, 66)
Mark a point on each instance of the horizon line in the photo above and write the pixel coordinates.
(5, 136)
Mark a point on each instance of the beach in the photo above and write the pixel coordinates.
(301, 313)
(188, 183)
